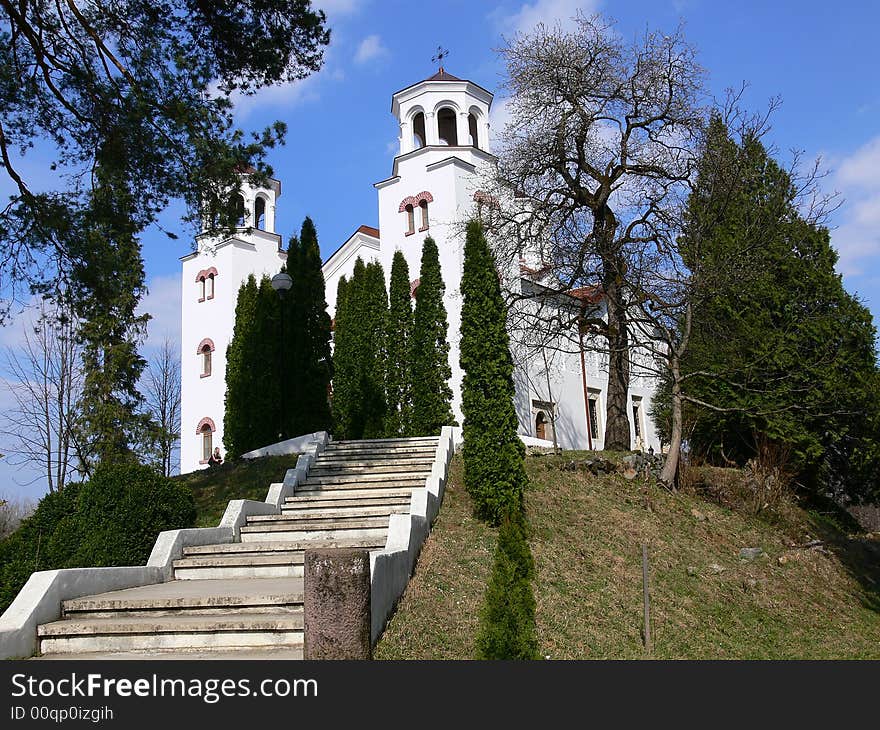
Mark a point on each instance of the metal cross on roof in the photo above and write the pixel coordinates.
(441, 54)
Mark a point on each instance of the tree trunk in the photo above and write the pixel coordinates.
(617, 437)
(669, 473)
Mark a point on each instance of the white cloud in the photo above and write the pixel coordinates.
(276, 97)
(163, 303)
(499, 116)
(548, 12)
(857, 238)
(370, 49)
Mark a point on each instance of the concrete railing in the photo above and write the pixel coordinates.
(39, 601)
(391, 568)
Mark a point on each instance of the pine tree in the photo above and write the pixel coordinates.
(494, 472)
(238, 415)
(265, 369)
(307, 353)
(107, 283)
(431, 394)
(399, 331)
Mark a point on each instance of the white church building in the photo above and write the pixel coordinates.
(433, 189)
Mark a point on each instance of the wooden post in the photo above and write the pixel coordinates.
(647, 598)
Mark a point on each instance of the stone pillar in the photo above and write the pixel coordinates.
(337, 604)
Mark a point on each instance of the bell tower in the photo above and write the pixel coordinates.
(211, 277)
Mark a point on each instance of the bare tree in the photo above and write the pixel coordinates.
(162, 400)
(45, 383)
(12, 511)
(600, 143)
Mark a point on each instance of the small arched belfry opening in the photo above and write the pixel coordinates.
(260, 213)
(541, 425)
(205, 431)
(420, 139)
(473, 132)
(446, 130)
(239, 209)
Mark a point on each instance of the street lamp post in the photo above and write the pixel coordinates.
(281, 283)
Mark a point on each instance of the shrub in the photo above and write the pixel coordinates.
(120, 512)
(507, 620)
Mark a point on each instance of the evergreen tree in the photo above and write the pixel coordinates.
(431, 394)
(399, 331)
(507, 619)
(345, 394)
(372, 314)
(307, 353)
(789, 354)
(107, 283)
(265, 369)
(493, 454)
(238, 415)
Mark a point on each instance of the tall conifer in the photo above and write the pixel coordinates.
(431, 394)
(307, 353)
(237, 421)
(344, 371)
(399, 330)
(373, 317)
(494, 472)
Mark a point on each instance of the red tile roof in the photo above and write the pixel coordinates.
(441, 75)
(369, 230)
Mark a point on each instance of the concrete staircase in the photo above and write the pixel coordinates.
(245, 599)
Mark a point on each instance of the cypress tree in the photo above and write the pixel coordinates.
(237, 418)
(507, 619)
(493, 453)
(373, 317)
(307, 351)
(399, 329)
(265, 369)
(431, 394)
(344, 372)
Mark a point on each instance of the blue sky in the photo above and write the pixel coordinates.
(820, 57)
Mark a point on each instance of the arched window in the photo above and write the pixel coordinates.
(423, 204)
(472, 131)
(260, 213)
(201, 288)
(446, 127)
(206, 361)
(419, 138)
(238, 203)
(410, 220)
(209, 287)
(205, 432)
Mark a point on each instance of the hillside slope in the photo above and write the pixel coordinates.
(707, 601)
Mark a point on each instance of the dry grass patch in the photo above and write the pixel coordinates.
(437, 617)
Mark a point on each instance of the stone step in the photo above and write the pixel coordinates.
(321, 534)
(398, 440)
(293, 505)
(317, 495)
(388, 452)
(275, 564)
(396, 480)
(263, 548)
(139, 633)
(287, 524)
(216, 653)
(379, 467)
(329, 513)
(192, 597)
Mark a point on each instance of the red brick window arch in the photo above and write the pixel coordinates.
(409, 205)
(205, 280)
(205, 432)
(206, 348)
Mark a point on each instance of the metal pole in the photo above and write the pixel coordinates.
(647, 598)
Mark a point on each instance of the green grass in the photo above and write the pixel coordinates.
(586, 534)
(244, 479)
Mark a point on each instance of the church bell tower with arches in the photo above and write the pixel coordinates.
(211, 277)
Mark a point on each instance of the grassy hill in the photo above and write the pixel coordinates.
(244, 479)
(707, 602)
